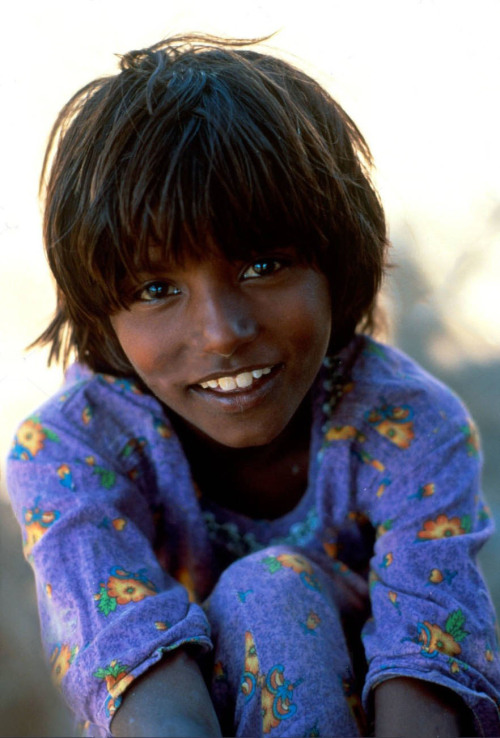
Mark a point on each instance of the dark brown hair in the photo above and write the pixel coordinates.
(198, 141)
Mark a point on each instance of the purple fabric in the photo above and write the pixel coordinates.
(126, 553)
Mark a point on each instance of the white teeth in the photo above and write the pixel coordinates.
(244, 380)
(227, 383)
(241, 381)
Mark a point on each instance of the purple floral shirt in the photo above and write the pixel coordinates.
(125, 550)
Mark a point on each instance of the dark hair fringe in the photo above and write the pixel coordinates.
(201, 143)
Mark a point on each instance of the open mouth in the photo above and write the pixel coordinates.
(237, 382)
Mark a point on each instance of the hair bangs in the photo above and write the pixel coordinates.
(224, 175)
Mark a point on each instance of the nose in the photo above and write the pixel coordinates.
(225, 322)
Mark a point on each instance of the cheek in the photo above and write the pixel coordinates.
(311, 315)
(139, 341)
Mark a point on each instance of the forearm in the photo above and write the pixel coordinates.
(410, 708)
(171, 699)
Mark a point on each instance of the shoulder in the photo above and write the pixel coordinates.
(398, 409)
(90, 411)
(385, 376)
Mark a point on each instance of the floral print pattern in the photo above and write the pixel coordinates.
(134, 554)
(122, 588)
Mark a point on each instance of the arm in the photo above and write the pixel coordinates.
(410, 708)
(84, 495)
(432, 617)
(171, 699)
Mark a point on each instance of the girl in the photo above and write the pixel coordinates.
(244, 515)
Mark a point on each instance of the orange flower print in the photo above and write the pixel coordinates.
(60, 660)
(382, 487)
(311, 623)
(387, 560)
(128, 590)
(426, 490)
(343, 433)
(367, 458)
(31, 436)
(36, 524)
(250, 677)
(87, 414)
(394, 422)
(435, 640)
(251, 658)
(117, 680)
(437, 576)
(65, 476)
(296, 563)
(444, 527)
(277, 698)
(30, 439)
(122, 588)
(276, 690)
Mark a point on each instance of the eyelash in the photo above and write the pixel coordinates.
(278, 264)
(162, 288)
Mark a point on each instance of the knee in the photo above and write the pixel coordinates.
(252, 569)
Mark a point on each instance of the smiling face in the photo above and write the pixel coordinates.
(231, 348)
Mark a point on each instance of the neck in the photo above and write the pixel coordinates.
(259, 481)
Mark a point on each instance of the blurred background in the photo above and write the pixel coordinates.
(419, 77)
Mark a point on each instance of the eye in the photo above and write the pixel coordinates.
(154, 291)
(264, 267)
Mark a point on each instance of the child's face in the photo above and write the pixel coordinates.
(232, 348)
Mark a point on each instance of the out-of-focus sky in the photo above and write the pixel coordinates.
(420, 78)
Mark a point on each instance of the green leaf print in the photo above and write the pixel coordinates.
(51, 435)
(114, 669)
(465, 523)
(107, 476)
(105, 604)
(454, 625)
(272, 564)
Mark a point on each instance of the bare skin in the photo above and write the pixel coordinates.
(410, 708)
(171, 699)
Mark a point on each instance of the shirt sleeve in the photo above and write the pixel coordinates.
(108, 610)
(432, 617)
